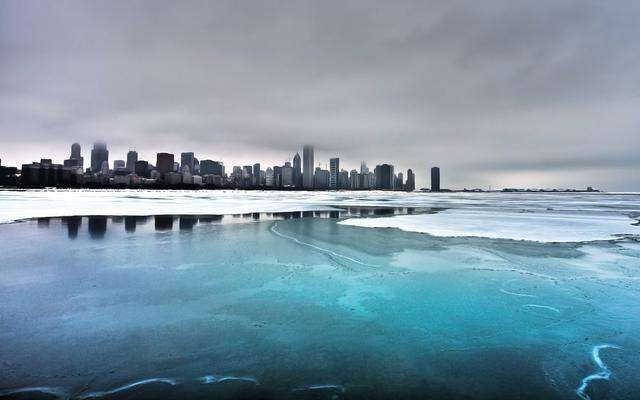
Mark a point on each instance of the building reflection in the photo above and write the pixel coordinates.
(163, 222)
(207, 219)
(383, 211)
(73, 226)
(130, 224)
(43, 222)
(97, 227)
(187, 222)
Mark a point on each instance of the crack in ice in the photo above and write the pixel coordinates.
(542, 306)
(209, 379)
(167, 381)
(604, 373)
(54, 391)
(505, 291)
(321, 249)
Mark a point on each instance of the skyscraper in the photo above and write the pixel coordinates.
(334, 170)
(210, 167)
(256, 174)
(141, 168)
(297, 171)
(189, 160)
(307, 164)
(119, 164)
(435, 179)
(132, 158)
(399, 182)
(99, 154)
(287, 175)
(321, 178)
(75, 151)
(354, 179)
(75, 160)
(343, 180)
(410, 186)
(384, 176)
(164, 162)
(269, 178)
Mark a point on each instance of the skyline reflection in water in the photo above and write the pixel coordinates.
(97, 226)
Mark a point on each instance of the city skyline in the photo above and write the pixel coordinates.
(189, 171)
(541, 94)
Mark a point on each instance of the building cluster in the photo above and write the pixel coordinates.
(188, 171)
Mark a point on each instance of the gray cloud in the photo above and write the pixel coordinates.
(496, 92)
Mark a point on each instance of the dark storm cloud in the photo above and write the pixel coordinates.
(487, 90)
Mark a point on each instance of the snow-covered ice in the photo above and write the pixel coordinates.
(535, 226)
(545, 217)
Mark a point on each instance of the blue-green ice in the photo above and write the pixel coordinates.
(306, 305)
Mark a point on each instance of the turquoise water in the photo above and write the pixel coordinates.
(297, 306)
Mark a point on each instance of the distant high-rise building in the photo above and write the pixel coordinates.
(410, 186)
(307, 165)
(119, 164)
(104, 168)
(99, 154)
(75, 160)
(363, 168)
(75, 151)
(334, 170)
(399, 182)
(210, 167)
(297, 171)
(321, 178)
(256, 174)
(384, 177)
(132, 157)
(141, 168)
(287, 175)
(269, 181)
(354, 179)
(370, 180)
(164, 163)
(189, 160)
(343, 180)
(277, 176)
(435, 179)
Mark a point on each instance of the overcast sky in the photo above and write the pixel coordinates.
(500, 93)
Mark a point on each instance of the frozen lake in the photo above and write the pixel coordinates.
(343, 295)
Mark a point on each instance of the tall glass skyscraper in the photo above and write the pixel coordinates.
(307, 165)
(334, 170)
(132, 158)
(297, 171)
(435, 179)
(99, 155)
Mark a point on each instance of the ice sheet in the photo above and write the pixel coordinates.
(17, 205)
(544, 217)
(535, 226)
